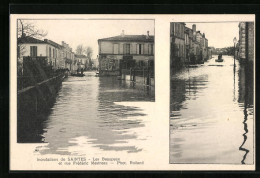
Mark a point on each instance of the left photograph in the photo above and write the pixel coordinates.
(79, 83)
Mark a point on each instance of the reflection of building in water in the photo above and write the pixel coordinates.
(246, 40)
(125, 52)
(186, 89)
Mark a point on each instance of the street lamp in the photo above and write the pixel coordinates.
(234, 41)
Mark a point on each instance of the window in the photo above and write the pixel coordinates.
(33, 51)
(150, 48)
(140, 48)
(115, 49)
(18, 51)
(126, 49)
(49, 51)
(53, 52)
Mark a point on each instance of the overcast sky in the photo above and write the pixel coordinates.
(87, 32)
(219, 35)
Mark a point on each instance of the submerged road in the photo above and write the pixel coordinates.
(88, 113)
(211, 119)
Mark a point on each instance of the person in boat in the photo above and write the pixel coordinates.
(220, 56)
(81, 71)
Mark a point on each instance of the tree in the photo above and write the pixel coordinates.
(89, 52)
(26, 28)
(80, 49)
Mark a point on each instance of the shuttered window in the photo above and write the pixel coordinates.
(150, 49)
(140, 49)
(33, 51)
(126, 49)
(116, 49)
(49, 51)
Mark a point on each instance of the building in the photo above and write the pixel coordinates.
(29, 46)
(188, 46)
(177, 43)
(125, 52)
(246, 41)
(81, 61)
(68, 56)
(95, 63)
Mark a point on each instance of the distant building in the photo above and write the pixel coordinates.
(81, 61)
(246, 41)
(125, 52)
(188, 46)
(95, 63)
(67, 56)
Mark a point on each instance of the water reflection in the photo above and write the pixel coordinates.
(88, 111)
(211, 120)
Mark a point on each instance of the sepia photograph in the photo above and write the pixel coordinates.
(75, 79)
(112, 92)
(212, 92)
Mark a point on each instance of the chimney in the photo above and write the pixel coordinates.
(147, 35)
(123, 33)
(194, 28)
(203, 35)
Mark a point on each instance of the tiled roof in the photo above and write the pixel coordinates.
(28, 39)
(132, 38)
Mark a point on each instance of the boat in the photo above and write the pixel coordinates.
(77, 74)
(219, 60)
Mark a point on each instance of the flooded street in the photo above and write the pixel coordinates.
(94, 112)
(211, 119)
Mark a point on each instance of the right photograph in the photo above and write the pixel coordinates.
(212, 92)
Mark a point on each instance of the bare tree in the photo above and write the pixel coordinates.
(89, 52)
(26, 29)
(80, 49)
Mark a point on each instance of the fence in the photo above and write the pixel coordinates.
(36, 70)
(143, 76)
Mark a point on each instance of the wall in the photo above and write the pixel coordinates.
(41, 49)
(107, 47)
(250, 41)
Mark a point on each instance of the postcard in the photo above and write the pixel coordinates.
(132, 92)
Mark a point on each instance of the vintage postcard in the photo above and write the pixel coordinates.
(132, 92)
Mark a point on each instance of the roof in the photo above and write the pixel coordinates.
(80, 56)
(130, 38)
(28, 39)
(53, 43)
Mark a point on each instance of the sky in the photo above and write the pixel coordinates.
(219, 35)
(87, 32)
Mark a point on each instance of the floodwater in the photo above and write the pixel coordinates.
(89, 111)
(212, 118)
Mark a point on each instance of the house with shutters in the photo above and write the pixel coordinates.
(125, 52)
(29, 46)
(56, 55)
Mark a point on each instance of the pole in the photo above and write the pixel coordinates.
(234, 54)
